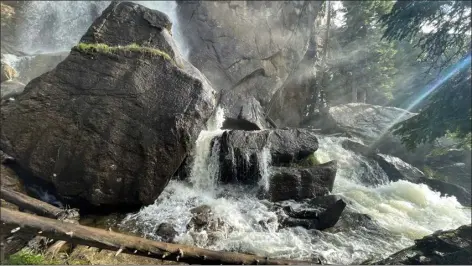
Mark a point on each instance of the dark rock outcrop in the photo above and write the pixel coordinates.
(451, 247)
(167, 232)
(241, 151)
(111, 128)
(313, 219)
(301, 183)
(247, 67)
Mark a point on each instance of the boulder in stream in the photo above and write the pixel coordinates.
(113, 122)
(451, 247)
(244, 155)
(287, 183)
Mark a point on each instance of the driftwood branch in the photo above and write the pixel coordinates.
(15, 242)
(28, 203)
(103, 239)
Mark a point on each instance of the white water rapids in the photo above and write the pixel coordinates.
(408, 211)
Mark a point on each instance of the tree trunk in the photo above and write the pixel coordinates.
(328, 25)
(84, 235)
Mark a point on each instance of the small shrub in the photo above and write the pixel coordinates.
(28, 257)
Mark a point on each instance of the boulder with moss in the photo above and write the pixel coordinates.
(111, 128)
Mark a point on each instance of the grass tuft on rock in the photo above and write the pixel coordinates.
(309, 161)
(91, 48)
(28, 257)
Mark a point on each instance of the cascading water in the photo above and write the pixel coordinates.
(405, 211)
(56, 26)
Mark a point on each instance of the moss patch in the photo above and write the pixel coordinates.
(91, 48)
(307, 162)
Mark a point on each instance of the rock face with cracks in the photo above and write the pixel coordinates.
(111, 126)
(247, 66)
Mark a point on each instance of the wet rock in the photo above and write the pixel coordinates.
(111, 131)
(452, 247)
(247, 68)
(243, 154)
(167, 232)
(300, 183)
(397, 169)
(11, 89)
(331, 215)
(204, 219)
(322, 202)
(310, 219)
(358, 147)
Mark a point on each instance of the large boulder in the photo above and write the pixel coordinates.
(451, 247)
(247, 66)
(111, 123)
(244, 155)
(287, 183)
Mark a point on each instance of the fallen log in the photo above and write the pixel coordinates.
(28, 203)
(14, 242)
(103, 239)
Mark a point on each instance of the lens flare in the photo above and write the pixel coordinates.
(428, 90)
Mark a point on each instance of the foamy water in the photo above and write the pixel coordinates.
(408, 211)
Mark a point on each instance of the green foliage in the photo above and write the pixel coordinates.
(364, 62)
(91, 48)
(309, 161)
(28, 257)
(448, 109)
(450, 20)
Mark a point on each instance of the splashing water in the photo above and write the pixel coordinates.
(206, 167)
(404, 210)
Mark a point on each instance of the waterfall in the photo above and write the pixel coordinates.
(406, 211)
(204, 171)
(56, 26)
